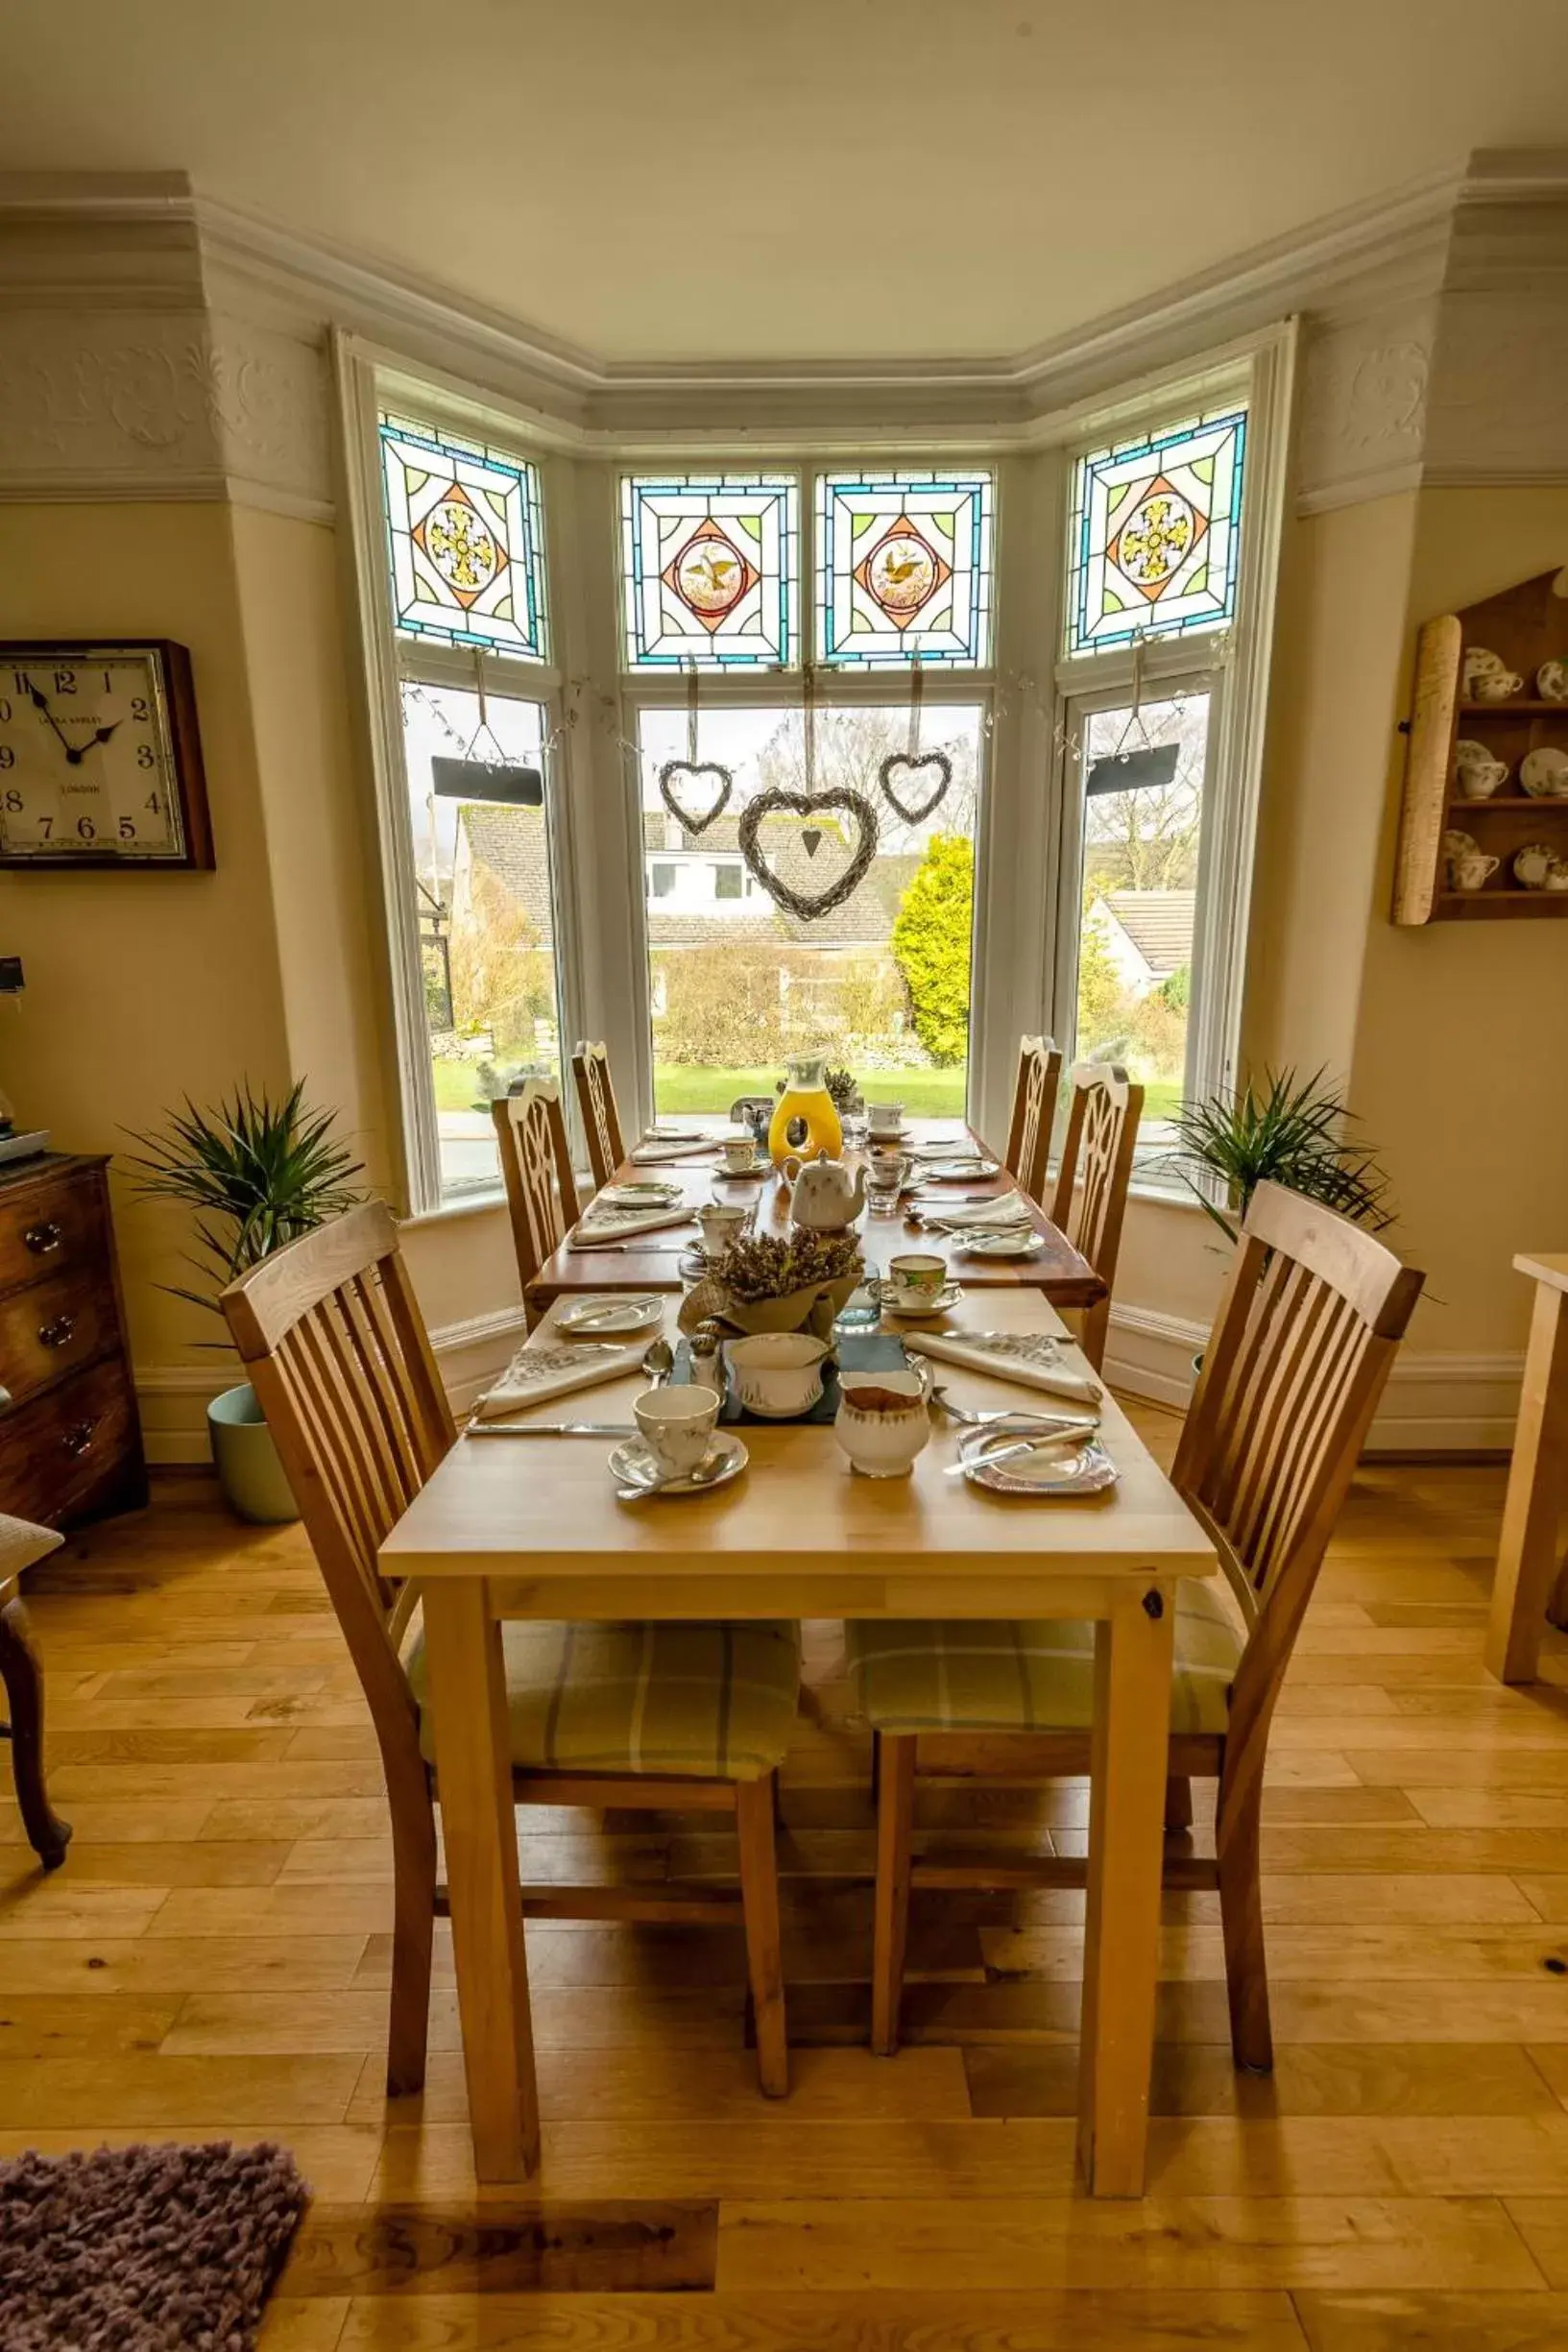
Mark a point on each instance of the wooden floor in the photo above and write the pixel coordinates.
(212, 1961)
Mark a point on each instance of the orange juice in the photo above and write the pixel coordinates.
(806, 1098)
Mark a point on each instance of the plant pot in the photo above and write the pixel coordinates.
(253, 1478)
(814, 1308)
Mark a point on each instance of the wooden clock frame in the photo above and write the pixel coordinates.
(185, 747)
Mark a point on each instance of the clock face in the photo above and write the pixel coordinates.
(88, 757)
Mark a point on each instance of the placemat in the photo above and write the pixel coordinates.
(858, 1351)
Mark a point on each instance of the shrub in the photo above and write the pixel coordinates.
(931, 938)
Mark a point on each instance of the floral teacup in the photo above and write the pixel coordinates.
(1485, 676)
(1474, 870)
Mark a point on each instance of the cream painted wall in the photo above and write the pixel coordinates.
(1461, 1047)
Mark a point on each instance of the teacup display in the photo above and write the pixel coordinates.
(882, 1422)
(885, 1119)
(1557, 875)
(677, 1427)
(778, 1374)
(1473, 870)
(1543, 773)
(1534, 863)
(1477, 774)
(915, 1276)
(1486, 677)
(721, 1222)
(1551, 682)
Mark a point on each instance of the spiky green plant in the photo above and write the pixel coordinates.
(1290, 1131)
(257, 1173)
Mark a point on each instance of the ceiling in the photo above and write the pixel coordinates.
(811, 179)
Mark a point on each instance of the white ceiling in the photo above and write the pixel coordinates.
(807, 179)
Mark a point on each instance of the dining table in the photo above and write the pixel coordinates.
(532, 1527)
(653, 1260)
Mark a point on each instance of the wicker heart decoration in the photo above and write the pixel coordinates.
(670, 775)
(809, 905)
(897, 767)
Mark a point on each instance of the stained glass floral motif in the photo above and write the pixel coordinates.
(903, 564)
(467, 541)
(710, 569)
(1154, 534)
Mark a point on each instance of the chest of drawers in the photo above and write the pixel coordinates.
(70, 1440)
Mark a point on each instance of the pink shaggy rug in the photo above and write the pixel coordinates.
(143, 2249)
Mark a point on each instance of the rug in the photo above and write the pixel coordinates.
(143, 2249)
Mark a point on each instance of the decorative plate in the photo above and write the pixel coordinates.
(1544, 773)
(607, 1314)
(631, 1464)
(1024, 1244)
(761, 1167)
(1051, 1467)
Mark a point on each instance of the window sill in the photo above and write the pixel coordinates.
(1163, 1196)
(472, 1204)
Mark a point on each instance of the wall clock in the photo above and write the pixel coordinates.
(100, 757)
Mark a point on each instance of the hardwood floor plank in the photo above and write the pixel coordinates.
(1306, 1954)
(192, 1863)
(67, 2025)
(1201, 2244)
(1325, 2079)
(502, 2247)
(92, 2095)
(1542, 2221)
(338, 2161)
(1415, 2322)
(201, 1964)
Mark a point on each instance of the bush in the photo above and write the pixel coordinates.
(722, 1008)
(932, 944)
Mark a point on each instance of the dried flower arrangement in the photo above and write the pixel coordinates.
(762, 1265)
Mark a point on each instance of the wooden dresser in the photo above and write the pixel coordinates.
(70, 1439)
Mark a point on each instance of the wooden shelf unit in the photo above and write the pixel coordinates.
(1526, 625)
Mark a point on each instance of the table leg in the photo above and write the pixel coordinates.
(474, 1783)
(1526, 1555)
(1126, 1849)
(23, 1678)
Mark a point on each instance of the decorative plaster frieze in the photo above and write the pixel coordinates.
(1363, 405)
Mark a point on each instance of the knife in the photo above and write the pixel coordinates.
(550, 1429)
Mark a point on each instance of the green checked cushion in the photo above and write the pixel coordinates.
(957, 1676)
(715, 1700)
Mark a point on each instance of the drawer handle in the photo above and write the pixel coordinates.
(77, 1440)
(41, 1239)
(57, 1333)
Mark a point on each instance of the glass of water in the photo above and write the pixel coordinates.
(887, 1174)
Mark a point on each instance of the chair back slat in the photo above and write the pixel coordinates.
(1302, 1345)
(334, 1344)
(601, 1121)
(536, 1165)
(1091, 1202)
(1035, 1108)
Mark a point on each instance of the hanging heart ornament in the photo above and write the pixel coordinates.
(932, 769)
(693, 771)
(809, 905)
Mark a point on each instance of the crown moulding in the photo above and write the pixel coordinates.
(170, 338)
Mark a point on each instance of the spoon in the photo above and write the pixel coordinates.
(659, 1362)
(703, 1475)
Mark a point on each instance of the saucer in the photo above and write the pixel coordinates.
(760, 1166)
(952, 1171)
(886, 1134)
(938, 1303)
(1021, 1245)
(650, 1196)
(1051, 1465)
(604, 1314)
(631, 1464)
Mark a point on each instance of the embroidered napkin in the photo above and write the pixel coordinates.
(659, 1154)
(538, 1373)
(1003, 1215)
(600, 1226)
(1029, 1358)
(640, 1196)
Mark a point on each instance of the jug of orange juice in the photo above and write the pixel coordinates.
(805, 1099)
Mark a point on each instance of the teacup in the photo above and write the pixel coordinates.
(721, 1222)
(881, 1423)
(885, 1118)
(915, 1276)
(1486, 677)
(1474, 870)
(739, 1155)
(677, 1425)
(1476, 772)
(886, 1176)
(778, 1374)
(1532, 865)
(1551, 682)
(1557, 875)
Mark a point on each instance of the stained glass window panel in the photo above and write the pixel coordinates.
(904, 566)
(1154, 534)
(710, 571)
(466, 530)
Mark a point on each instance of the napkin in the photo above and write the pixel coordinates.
(657, 1155)
(998, 1216)
(540, 1371)
(633, 1198)
(596, 1229)
(1001, 1354)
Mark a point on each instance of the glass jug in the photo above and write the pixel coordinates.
(805, 1101)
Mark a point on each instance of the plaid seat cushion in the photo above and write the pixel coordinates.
(957, 1677)
(715, 1700)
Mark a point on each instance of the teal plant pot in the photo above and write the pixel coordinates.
(249, 1472)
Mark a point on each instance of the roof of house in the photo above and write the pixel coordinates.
(509, 842)
(1159, 923)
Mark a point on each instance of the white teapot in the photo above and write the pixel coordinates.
(826, 1200)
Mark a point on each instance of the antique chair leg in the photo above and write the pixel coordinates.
(413, 1933)
(1241, 1913)
(1178, 1802)
(894, 1838)
(754, 1802)
(19, 1670)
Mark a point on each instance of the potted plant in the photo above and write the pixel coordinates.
(794, 1281)
(257, 1173)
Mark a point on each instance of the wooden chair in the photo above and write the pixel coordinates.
(332, 1338)
(1301, 1346)
(1102, 1118)
(1034, 1108)
(601, 1121)
(22, 1544)
(536, 1168)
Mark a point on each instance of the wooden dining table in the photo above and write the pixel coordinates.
(1057, 1269)
(532, 1528)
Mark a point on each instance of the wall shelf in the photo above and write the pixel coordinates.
(1525, 625)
